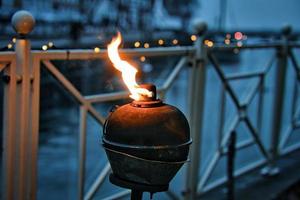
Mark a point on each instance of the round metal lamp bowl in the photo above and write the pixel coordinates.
(146, 142)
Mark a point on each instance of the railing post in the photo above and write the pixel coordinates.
(196, 109)
(19, 181)
(278, 104)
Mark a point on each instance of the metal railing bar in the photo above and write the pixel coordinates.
(9, 140)
(35, 118)
(270, 64)
(118, 195)
(82, 151)
(222, 47)
(222, 117)
(252, 94)
(256, 138)
(233, 125)
(208, 171)
(237, 173)
(285, 137)
(297, 112)
(260, 103)
(97, 183)
(290, 149)
(69, 86)
(196, 111)
(3, 66)
(295, 64)
(221, 74)
(241, 145)
(178, 67)
(7, 56)
(276, 44)
(23, 135)
(244, 75)
(82, 54)
(98, 98)
(294, 112)
(160, 51)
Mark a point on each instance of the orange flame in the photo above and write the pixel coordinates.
(128, 71)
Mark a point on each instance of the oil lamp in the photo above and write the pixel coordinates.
(146, 141)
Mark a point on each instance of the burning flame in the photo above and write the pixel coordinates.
(128, 71)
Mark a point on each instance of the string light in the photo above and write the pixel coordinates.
(14, 40)
(137, 44)
(209, 43)
(50, 44)
(238, 35)
(96, 49)
(9, 46)
(193, 38)
(160, 42)
(175, 41)
(142, 58)
(44, 47)
(146, 45)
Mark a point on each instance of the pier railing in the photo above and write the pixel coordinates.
(21, 74)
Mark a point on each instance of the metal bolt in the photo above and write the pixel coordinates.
(23, 22)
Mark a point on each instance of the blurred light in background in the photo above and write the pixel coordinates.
(137, 44)
(97, 49)
(44, 47)
(50, 44)
(142, 58)
(238, 35)
(209, 43)
(175, 41)
(9, 46)
(160, 42)
(193, 37)
(146, 45)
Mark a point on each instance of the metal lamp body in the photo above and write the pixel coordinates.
(146, 142)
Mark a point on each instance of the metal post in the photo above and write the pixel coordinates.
(278, 104)
(20, 145)
(9, 130)
(82, 152)
(196, 109)
(230, 166)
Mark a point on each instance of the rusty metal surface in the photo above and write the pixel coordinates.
(141, 170)
(158, 133)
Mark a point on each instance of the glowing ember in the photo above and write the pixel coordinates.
(128, 71)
